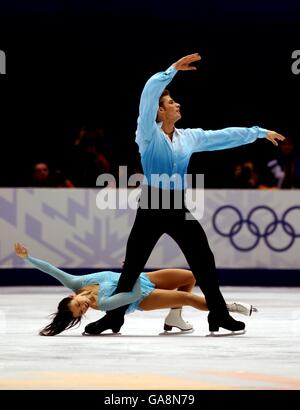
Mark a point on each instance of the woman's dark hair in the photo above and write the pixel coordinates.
(63, 319)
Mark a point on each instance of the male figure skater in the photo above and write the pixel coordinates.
(165, 149)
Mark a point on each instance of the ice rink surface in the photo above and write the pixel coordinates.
(266, 357)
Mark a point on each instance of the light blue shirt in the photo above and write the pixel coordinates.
(160, 155)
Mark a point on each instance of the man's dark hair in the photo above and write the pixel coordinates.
(160, 103)
(165, 92)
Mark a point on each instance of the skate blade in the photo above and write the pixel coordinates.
(176, 333)
(252, 309)
(216, 334)
(102, 334)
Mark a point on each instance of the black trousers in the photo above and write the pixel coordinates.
(179, 224)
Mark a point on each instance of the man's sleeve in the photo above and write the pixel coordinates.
(200, 140)
(149, 103)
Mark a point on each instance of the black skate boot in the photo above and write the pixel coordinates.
(109, 321)
(216, 321)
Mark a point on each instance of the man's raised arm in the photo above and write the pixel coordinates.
(152, 91)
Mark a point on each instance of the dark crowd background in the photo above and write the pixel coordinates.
(76, 69)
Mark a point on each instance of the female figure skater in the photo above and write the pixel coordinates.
(165, 288)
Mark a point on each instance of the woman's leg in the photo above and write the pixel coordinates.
(170, 279)
(161, 299)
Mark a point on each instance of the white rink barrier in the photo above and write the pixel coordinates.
(247, 229)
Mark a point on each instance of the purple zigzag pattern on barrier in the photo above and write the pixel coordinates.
(93, 242)
(33, 228)
(113, 243)
(74, 208)
(8, 210)
(14, 259)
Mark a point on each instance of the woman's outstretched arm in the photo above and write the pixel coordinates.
(70, 281)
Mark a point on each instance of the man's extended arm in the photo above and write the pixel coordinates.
(200, 140)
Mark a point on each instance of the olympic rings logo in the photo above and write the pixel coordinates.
(255, 230)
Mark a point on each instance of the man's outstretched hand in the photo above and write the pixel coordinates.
(274, 136)
(184, 63)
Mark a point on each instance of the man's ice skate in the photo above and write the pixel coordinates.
(101, 334)
(111, 321)
(174, 319)
(224, 334)
(242, 308)
(226, 322)
(84, 333)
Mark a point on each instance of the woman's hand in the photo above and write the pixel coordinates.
(21, 251)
